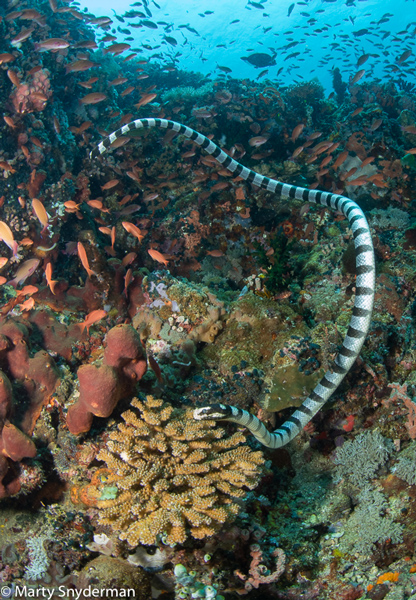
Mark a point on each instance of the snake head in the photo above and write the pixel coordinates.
(214, 411)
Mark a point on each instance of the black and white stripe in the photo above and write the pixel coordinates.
(364, 294)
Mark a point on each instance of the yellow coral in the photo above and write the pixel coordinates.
(175, 476)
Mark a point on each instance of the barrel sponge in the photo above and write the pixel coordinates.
(99, 394)
(6, 398)
(102, 387)
(78, 419)
(18, 351)
(122, 346)
(16, 444)
(98, 389)
(43, 371)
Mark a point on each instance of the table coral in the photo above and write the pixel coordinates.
(174, 476)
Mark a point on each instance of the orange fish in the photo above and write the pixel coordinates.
(341, 158)
(84, 259)
(6, 57)
(129, 258)
(127, 280)
(71, 206)
(117, 48)
(9, 122)
(40, 213)
(3, 261)
(117, 81)
(367, 161)
(27, 304)
(158, 256)
(258, 141)
(127, 91)
(7, 236)
(6, 166)
(357, 111)
(28, 290)
(297, 131)
(88, 84)
(297, 151)
(52, 44)
(133, 230)
(376, 124)
(48, 275)
(2, 280)
(91, 318)
(358, 76)
(411, 151)
(145, 99)
(97, 204)
(25, 270)
(110, 184)
(79, 65)
(14, 78)
(93, 98)
(105, 230)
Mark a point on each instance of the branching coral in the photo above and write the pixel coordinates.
(174, 476)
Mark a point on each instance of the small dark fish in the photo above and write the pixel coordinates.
(291, 7)
(260, 59)
(404, 56)
(262, 74)
(128, 210)
(360, 32)
(362, 59)
(131, 14)
(293, 55)
(256, 4)
(149, 24)
(189, 28)
(235, 21)
(224, 69)
(171, 40)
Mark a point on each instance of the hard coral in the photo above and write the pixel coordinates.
(102, 387)
(174, 476)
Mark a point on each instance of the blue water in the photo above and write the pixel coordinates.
(321, 34)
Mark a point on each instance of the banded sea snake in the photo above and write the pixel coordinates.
(364, 292)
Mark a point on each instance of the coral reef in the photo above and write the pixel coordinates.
(246, 304)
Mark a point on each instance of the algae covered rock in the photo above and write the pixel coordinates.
(254, 330)
(106, 572)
